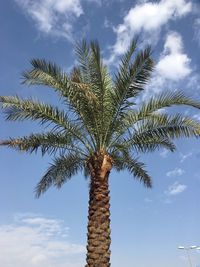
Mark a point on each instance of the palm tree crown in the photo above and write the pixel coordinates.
(101, 117)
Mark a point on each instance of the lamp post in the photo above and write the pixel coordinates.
(187, 252)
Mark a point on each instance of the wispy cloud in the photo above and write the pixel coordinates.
(185, 156)
(53, 17)
(175, 172)
(148, 18)
(148, 200)
(197, 116)
(108, 24)
(175, 189)
(164, 153)
(36, 242)
(197, 30)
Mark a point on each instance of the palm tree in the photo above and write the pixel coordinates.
(101, 128)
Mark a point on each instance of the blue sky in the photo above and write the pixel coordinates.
(147, 225)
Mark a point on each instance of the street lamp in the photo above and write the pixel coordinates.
(193, 247)
(187, 249)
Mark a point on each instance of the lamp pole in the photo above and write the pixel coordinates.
(187, 252)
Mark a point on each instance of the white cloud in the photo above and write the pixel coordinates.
(175, 172)
(185, 156)
(148, 200)
(36, 242)
(197, 30)
(175, 189)
(196, 116)
(172, 67)
(98, 2)
(164, 153)
(173, 63)
(173, 43)
(148, 17)
(53, 16)
(107, 24)
(156, 85)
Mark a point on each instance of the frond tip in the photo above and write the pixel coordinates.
(62, 169)
(124, 161)
(137, 169)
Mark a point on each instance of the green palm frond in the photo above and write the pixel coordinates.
(99, 77)
(164, 100)
(102, 88)
(49, 74)
(75, 75)
(157, 133)
(151, 118)
(137, 169)
(46, 73)
(123, 69)
(143, 144)
(124, 161)
(93, 70)
(62, 169)
(126, 58)
(19, 109)
(169, 126)
(49, 142)
(70, 89)
(149, 109)
(130, 83)
(82, 51)
(27, 109)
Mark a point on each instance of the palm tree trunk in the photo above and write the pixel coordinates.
(98, 247)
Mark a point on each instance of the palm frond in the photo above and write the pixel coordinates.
(49, 74)
(62, 169)
(154, 134)
(25, 109)
(46, 73)
(102, 87)
(143, 143)
(128, 84)
(48, 142)
(75, 93)
(19, 109)
(166, 99)
(82, 51)
(94, 72)
(126, 58)
(136, 168)
(147, 114)
(169, 126)
(75, 75)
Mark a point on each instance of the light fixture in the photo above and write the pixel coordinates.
(187, 251)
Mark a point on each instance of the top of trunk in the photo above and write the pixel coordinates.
(100, 163)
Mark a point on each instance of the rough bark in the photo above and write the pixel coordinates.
(98, 247)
